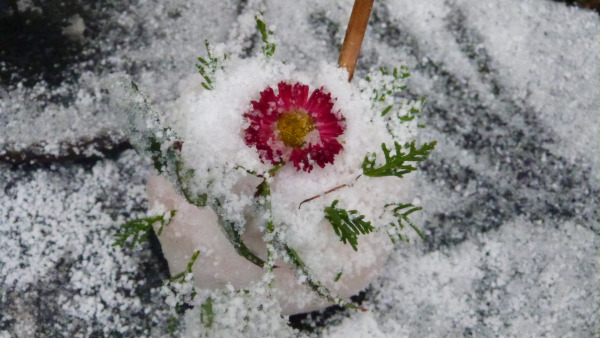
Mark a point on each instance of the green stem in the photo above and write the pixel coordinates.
(200, 201)
(228, 227)
(236, 240)
(264, 190)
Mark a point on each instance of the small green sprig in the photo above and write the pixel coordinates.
(413, 112)
(180, 277)
(184, 294)
(207, 316)
(347, 224)
(161, 158)
(269, 46)
(390, 84)
(401, 211)
(139, 229)
(151, 138)
(207, 68)
(397, 164)
(172, 325)
(388, 88)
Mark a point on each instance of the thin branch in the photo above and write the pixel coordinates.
(326, 192)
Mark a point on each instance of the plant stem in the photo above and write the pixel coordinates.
(357, 26)
(264, 190)
(327, 192)
(275, 243)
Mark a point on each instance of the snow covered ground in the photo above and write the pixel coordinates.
(510, 195)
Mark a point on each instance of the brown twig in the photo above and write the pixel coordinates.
(323, 194)
(327, 192)
(357, 26)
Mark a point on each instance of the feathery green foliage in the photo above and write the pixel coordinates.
(134, 86)
(183, 295)
(397, 164)
(207, 68)
(401, 212)
(347, 224)
(138, 229)
(269, 47)
(156, 155)
(207, 315)
(162, 157)
(391, 87)
(172, 325)
(275, 244)
(154, 140)
(411, 115)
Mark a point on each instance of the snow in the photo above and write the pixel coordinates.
(205, 118)
(57, 227)
(210, 124)
(510, 197)
(75, 28)
(482, 288)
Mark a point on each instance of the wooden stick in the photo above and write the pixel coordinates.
(357, 26)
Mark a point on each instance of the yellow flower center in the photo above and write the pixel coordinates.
(293, 127)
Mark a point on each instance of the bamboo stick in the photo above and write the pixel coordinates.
(357, 26)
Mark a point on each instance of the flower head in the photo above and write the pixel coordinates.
(290, 126)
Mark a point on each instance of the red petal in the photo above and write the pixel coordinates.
(300, 94)
(268, 109)
(299, 157)
(285, 96)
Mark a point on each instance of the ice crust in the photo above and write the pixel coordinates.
(510, 199)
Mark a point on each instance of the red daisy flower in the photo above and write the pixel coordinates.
(291, 126)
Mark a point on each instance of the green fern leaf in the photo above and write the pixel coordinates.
(347, 224)
(397, 164)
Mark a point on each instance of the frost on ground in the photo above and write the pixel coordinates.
(480, 289)
(510, 196)
(59, 271)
